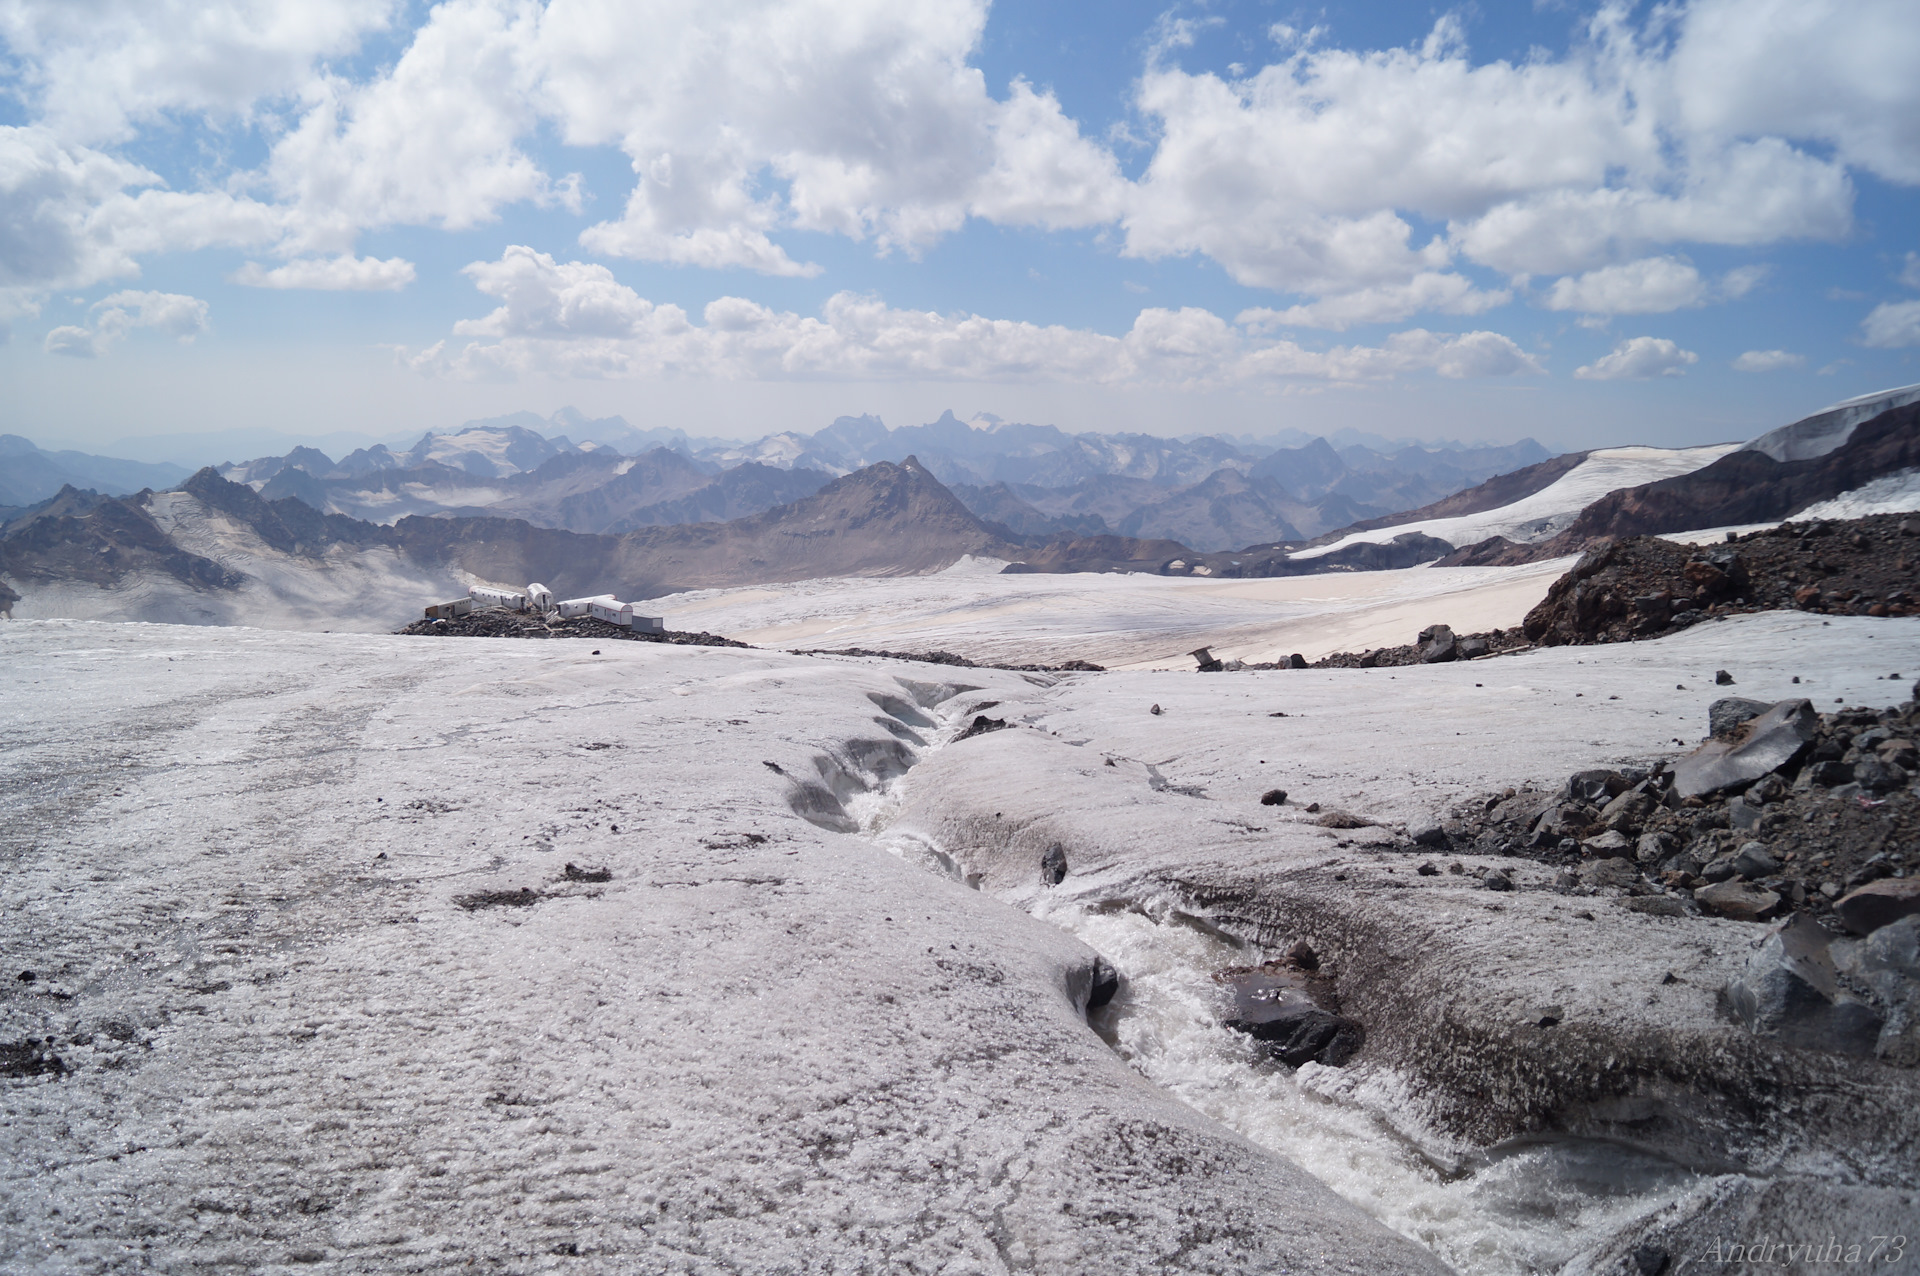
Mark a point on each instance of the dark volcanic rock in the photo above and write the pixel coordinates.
(1738, 901)
(1053, 865)
(1759, 747)
(1878, 904)
(1437, 645)
(1274, 797)
(1643, 587)
(1791, 991)
(1724, 715)
(981, 725)
(1278, 1006)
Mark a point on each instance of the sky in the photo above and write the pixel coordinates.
(1587, 224)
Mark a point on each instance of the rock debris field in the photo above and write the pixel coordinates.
(358, 953)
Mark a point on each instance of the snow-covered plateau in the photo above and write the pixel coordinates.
(366, 954)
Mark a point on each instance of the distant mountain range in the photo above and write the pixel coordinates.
(29, 474)
(1036, 480)
(365, 541)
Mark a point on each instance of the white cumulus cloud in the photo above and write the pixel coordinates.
(1638, 358)
(575, 319)
(1652, 285)
(345, 273)
(172, 313)
(1429, 291)
(1892, 325)
(1768, 361)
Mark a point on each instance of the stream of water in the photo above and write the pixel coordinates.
(1540, 1207)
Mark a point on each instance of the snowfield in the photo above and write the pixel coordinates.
(1119, 621)
(771, 1040)
(762, 1046)
(1553, 508)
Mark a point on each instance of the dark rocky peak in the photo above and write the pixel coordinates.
(312, 460)
(1306, 472)
(68, 502)
(364, 461)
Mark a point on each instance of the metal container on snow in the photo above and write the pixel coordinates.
(448, 611)
(539, 597)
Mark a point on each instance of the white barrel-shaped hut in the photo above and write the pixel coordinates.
(487, 597)
(612, 611)
(539, 597)
(584, 606)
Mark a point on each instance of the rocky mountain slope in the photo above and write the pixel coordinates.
(218, 551)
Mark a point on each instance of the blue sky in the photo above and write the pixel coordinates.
(1588, 224)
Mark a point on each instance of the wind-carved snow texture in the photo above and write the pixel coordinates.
(323, 992)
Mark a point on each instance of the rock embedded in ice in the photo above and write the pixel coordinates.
(1053, 865)
(1280, 1008)
(1274, 797)
(1721, 678)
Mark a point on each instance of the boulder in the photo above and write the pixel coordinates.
(1719, 868)
(1878, 904)
(1760, 746)
(1427, 835)
(1791, 992)
(1596, 786)
(1607, 844)
(1742, 815)
(1497, 881)
(1887, 963)
(1274, 797)
(1738, 901)
(1437, 645)
(1473, 648)
(1610, 872)
(1877, 776)
(1752, 860)
(1832, 774)
(1278, 1007)
(1721, 678)
(1627, 812)
(1296, 661)
(1724, 715)
(1653, 847)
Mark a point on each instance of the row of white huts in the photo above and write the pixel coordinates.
(539, 598)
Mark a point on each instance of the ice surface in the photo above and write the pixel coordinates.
(1896, 493)
(1162, 825)
(1554, 507)
(1830, 428)
(234, 865)
(1132, 621)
